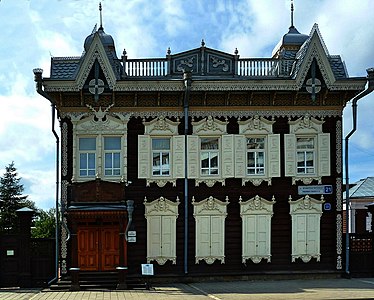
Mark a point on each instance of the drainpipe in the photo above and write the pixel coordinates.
(368, 90)
(130, 210)
(39, 82)
(187, 78)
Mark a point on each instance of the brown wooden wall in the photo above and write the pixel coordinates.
(281, 188)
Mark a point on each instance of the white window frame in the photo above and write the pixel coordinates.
(161, 128)
(87, 154)
(210, 127)
(307, 127)
(210, 153)
(257, 127)
(305, 152)
(161, 215)
(210, 215)
(256, 214)
(162, 152)
(113, 153)
(99, 124)
(306, 215)
(256, 152)
(100, 159)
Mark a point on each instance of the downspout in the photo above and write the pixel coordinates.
(130, 210)
(187, 78)
(39, 82)
(368, 90)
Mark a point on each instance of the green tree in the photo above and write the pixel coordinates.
(11, 199)
(45, 224)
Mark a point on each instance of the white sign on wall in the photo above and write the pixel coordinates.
(147, 269)
(315, 189)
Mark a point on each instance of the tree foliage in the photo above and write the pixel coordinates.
(11, 199)
(45, 224)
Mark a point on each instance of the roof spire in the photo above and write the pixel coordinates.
(101, 17)
(292, 9)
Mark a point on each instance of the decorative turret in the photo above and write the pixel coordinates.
(106, 39)
(291, 42)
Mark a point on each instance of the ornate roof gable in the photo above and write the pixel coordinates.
(95, 51)
(314, 48)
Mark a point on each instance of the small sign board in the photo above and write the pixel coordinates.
(131, 239)
(10, 252)
(147, 269)
(327, 206)
(131, 233)
(315, 189)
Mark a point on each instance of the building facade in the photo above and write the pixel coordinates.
(198, 162)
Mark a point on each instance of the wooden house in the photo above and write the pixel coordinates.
(200, 162)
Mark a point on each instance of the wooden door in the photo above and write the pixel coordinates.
(109, 255)
(98, 248)
(88, 249)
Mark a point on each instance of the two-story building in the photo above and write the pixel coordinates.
(199, 162)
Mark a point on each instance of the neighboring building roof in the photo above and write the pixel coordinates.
(364, 188)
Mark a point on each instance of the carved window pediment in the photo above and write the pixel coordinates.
(161, 206)
(306, 125)
(256, 125)
(256, 206)
(209, 126)
(210, 206)
(306, 205)
(161, 126)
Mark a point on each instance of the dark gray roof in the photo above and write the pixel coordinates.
(65, 68)
(338, 66)
(336, 63)
(364, 188)
(294, 37)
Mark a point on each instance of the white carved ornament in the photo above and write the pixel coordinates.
(209, 126)
(161, 206)
(161, 126)
(306, 125)
(256, 125)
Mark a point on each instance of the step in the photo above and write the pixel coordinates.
(98, 280)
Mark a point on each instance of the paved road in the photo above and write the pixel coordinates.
(283, 289)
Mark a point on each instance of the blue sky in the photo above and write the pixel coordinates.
(34, 30)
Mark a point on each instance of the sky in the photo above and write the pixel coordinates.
(32, 31)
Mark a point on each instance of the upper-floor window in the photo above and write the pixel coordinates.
(161, 152)
(210, 152)
(161, 156)
(209, 155)
(307, 151)
(87, 157)
(112, 156)
(257, 151)
(255, 156)
(305, 155)
(99, 145)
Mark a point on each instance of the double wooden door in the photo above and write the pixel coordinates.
(98, 248)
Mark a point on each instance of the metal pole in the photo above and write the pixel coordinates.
(187, 86)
